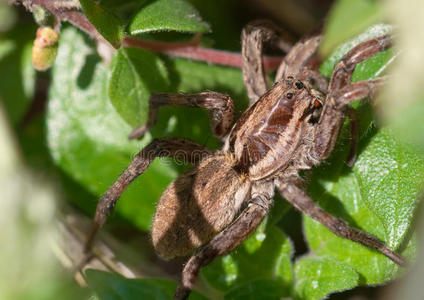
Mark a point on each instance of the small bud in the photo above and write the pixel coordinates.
(44, 49)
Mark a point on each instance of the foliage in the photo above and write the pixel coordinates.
(116, 287)
(93, 105)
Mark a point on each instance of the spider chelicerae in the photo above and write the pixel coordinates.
(289, 127)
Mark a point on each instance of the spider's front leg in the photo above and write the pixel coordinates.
(255, 35)
(253, 38)
(302, 202)
(167, 147)
(224, 242)
(296, 60)
(221, 105)
(341, 93)
(343, 71)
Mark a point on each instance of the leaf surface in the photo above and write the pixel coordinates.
(135, 74)
(112, 286)
(167, 15)
(317, 277)
(264, 289)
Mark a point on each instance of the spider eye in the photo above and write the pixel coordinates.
(289, 95)
(299, 85)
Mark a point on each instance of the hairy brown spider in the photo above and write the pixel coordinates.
(292, 126)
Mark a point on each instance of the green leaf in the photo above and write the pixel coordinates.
(165, 15)
(16, 72)
(270, 251)
(135, 74)
(88, 138)
(265, 289)
(107, 23)
(317, 277)
(112, 286)
(390, 175)
(348, 18)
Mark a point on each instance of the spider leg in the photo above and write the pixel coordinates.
(167, 147)
(253, 38)
(302, 202)
(298, 57)
(221, 105)
(343, 71)
(334, 112)
(224, 242)
(358, 90)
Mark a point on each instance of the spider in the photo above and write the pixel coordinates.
(289, 127)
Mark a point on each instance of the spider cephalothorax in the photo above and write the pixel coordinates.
(289, 127)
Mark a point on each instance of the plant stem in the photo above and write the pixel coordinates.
(194, 52)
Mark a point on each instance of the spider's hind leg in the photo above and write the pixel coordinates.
(221, 106)
(302, 202)
(224, 242)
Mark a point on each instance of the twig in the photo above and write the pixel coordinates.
(187, 50)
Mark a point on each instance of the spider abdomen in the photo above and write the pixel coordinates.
(196, 206)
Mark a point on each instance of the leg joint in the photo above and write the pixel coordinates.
(261, 201)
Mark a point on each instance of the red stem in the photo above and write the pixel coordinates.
(194, 52)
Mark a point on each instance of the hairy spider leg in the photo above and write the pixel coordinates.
(334, 113)
(302, 202)
(221, 106)
(224, 242)
(343, 71)
(254, 36)
(165, 147)
(341, 93)
(298, 57)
